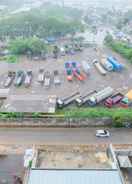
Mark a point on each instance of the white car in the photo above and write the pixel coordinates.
(102, 133)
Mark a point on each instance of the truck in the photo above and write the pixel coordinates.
(10, 77)
(76, 72)
(63, 102)
(68, 70)
(57, 80)
(100, 96)
(106, 64)
(127, 100)
(98, 66)
(116, 65)
(113, 100)
(41, 75)
(20, 76)
(86, 67)
(28, 78)
(47, 79)
(83, 99)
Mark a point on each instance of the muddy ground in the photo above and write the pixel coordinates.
(120, 81)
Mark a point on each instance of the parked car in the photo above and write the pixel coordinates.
(28, 78)
(113, 100)
(9, 79)
(20, 76)
(102, 133)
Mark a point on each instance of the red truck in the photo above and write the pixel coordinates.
(113, 100)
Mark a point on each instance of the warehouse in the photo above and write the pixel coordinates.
(74, 177)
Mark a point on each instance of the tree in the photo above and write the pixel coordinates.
(23, 46)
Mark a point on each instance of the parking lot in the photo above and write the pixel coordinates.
(119, 81)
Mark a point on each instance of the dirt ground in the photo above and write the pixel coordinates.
(73, 157)
(121, 82)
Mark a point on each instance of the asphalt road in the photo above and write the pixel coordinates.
(62, 136)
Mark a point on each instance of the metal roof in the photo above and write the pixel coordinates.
(74, 177)
(124, 161)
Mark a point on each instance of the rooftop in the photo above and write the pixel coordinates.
(74, 177)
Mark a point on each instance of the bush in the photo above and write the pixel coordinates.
(117, 122)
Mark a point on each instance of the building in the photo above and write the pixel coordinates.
(102, 175)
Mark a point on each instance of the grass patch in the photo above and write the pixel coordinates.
(97, 113)
(120, 47)
(11, 58)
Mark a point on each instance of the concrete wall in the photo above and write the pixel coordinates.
(55, 122)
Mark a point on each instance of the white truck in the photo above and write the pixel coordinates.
(41, 76)
(57, 80)
(63, 102)
(47, 79)
(86, 67)
(98, 66)
(100, 96)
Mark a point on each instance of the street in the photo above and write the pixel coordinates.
(40, 136)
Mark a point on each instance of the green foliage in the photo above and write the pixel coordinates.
(120, 47)
(11, 115)
(97, 113)
(117, 122)
(11, 58)
(22, 46)
(30, 164)
(39, 22)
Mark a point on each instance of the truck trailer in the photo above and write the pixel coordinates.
(100, 96)
(63, 102)
(83, 99)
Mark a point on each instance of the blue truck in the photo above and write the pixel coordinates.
(116, 65)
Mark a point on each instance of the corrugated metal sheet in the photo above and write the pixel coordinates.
(74, 177)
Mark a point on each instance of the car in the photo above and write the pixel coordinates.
(102, 133)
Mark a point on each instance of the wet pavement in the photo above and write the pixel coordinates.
(10, 165)
(120, 81)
